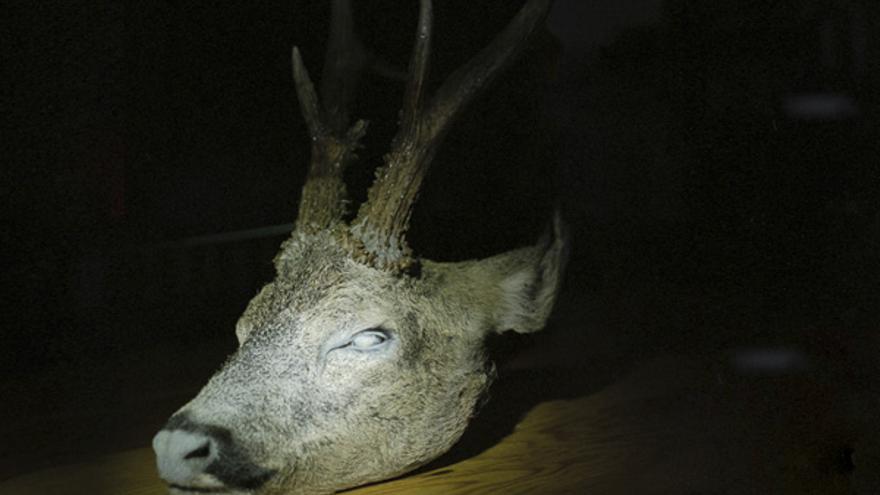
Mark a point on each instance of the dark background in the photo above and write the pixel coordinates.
(717, 163)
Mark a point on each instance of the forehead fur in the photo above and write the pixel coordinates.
(310, 256)
(316, 269)
(312, 267)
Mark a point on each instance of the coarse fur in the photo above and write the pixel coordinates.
(362, 361)
(325, 418)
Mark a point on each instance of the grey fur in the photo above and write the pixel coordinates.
(324, 419)
(299, 409)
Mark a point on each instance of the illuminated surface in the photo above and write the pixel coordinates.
(669, 427)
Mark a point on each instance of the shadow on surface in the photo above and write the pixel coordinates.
(514, 393)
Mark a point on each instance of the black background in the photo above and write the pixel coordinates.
(703, 214)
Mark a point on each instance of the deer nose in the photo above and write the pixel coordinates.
(201, 457)
(183, 456)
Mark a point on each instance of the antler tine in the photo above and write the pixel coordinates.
(383, 220)
(324, 196)
(308, 100)
(343, 62)
(467, 82)
(418, 70)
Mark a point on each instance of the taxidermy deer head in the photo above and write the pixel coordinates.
(361, 361)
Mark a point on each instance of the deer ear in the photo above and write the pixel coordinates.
(515, 290)
(528, 281)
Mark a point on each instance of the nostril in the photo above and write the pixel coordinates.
(184, 458)
(203, 451)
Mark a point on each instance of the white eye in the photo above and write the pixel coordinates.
(369, 339)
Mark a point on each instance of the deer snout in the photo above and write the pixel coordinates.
(183, 458)
(195, 457)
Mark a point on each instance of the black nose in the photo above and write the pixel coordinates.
(186, 449)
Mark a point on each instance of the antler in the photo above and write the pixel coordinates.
(383, 220)
(333, 143)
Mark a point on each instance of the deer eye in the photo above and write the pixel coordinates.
(369, 339)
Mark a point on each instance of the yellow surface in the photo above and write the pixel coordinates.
(126, 473)
(547, 431)
(654, 432)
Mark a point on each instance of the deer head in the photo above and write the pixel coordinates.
(360, 361)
